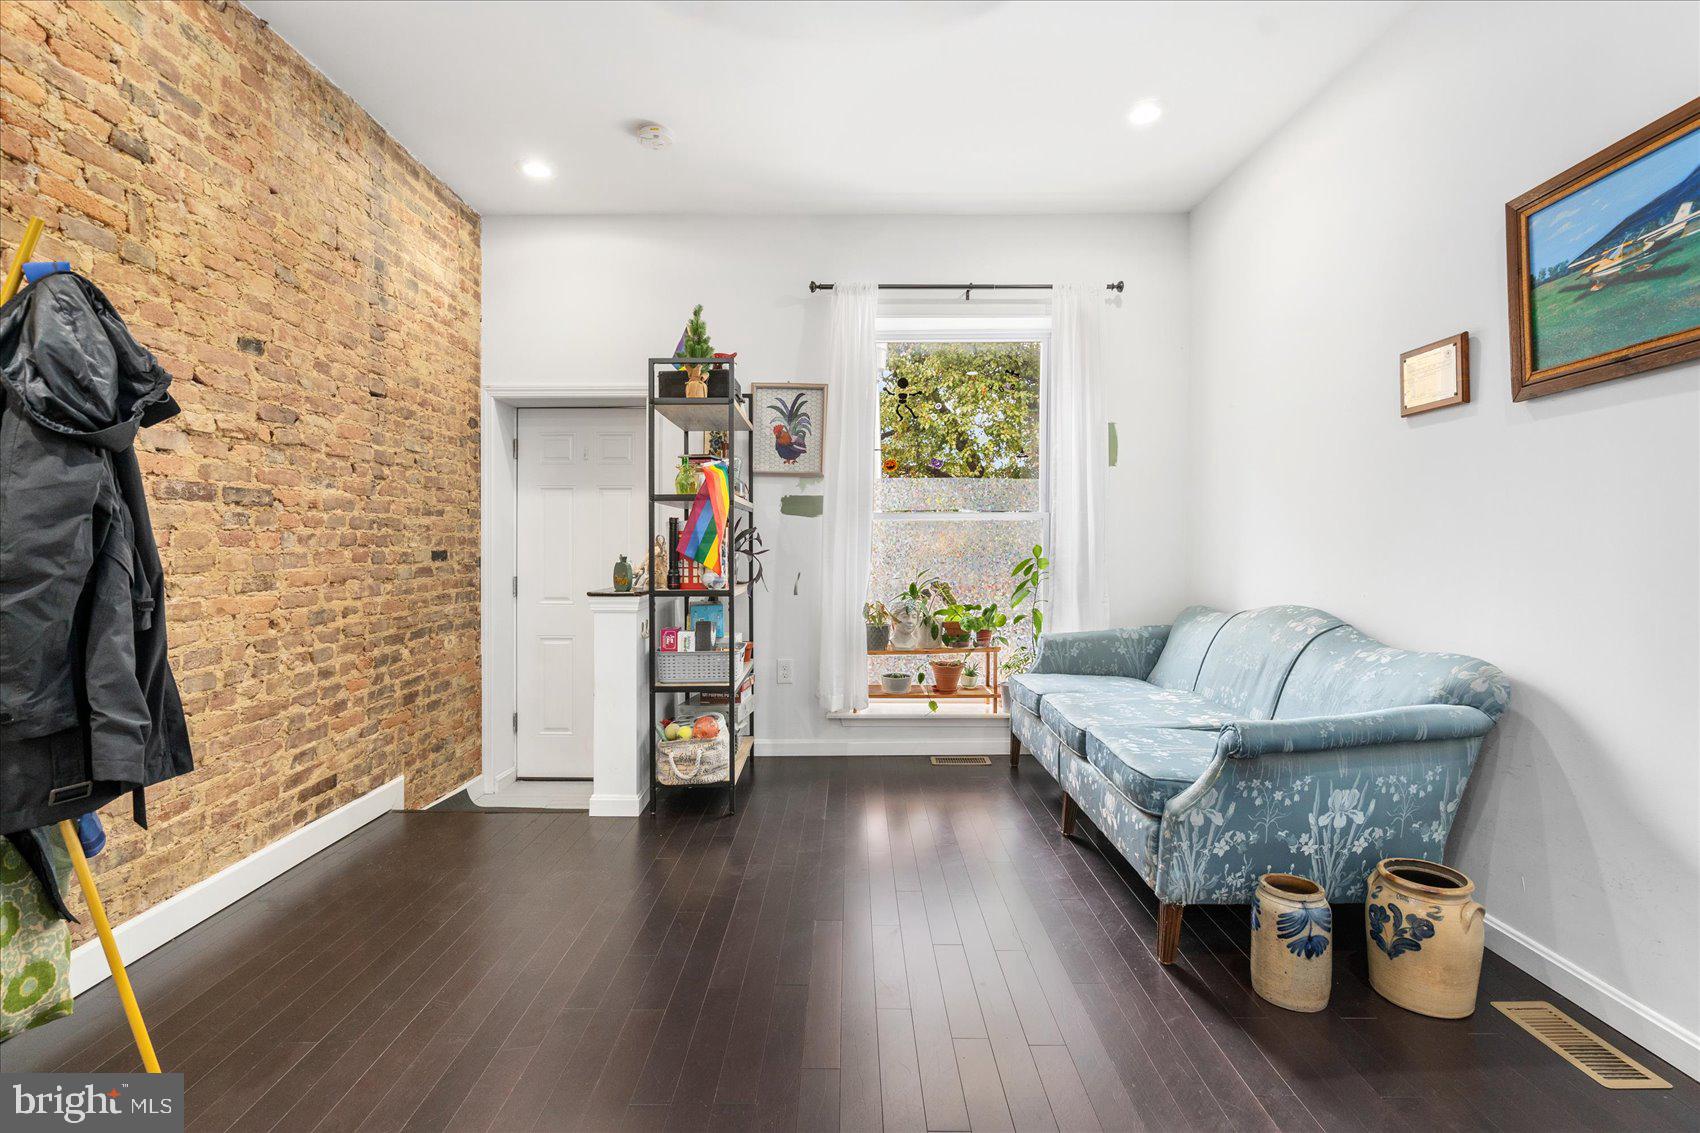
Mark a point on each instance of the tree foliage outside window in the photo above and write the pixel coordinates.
(960, 410)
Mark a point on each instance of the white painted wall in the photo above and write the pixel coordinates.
(1558, 538)
(583, 301)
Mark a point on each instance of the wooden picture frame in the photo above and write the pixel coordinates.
(1435, 353)
(770, 458)
(1594, 270)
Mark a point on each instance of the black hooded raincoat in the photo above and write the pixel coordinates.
(88, 706)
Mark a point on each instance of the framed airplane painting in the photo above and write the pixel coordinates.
(1604, 263)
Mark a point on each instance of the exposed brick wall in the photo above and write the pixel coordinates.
(315, 293)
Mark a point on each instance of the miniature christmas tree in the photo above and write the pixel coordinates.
(695, 343)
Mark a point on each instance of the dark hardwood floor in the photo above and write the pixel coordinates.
(867, 943)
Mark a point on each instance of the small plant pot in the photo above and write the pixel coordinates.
(895, 683)
(1291, 930)
(947, 676)
(879, 637)
(970, 681)
(952, 631)
(982, 637)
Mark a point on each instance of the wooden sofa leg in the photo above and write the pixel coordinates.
(1168, 931)
(1014, 751)
(1067, 816)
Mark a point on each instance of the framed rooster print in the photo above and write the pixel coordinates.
(790, 428)
(1604, 263)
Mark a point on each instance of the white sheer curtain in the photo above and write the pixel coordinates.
(852, 438)
(1074, 449)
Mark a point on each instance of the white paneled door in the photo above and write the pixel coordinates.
(581, 493)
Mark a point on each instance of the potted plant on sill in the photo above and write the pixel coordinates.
(953, 623)
(895, 682)
(878, 620)
(970, 675)
(984, 622)
(1029, 574)
(925, 598)
(947, 675)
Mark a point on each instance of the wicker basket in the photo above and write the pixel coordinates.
(680, 763)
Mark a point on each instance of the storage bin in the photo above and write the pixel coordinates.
(672, 382)
(705, 667)
(697, 706)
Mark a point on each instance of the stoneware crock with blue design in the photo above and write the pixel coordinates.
(1292, 933)
(1425, 937)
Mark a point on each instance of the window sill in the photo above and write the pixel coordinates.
(909, 713)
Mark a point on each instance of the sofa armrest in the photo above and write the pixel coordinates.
(1250, 738)
(1102, 652)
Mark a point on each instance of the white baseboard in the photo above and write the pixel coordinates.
(502, 779)
(928, 745)
(475, 781)
(176, 915)
(1665, 1037)
(605, 805)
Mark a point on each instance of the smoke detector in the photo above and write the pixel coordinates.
(652, 135)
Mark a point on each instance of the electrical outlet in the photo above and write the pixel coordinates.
(783, 674)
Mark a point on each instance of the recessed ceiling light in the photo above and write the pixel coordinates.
(536, 169)
(1145, 113)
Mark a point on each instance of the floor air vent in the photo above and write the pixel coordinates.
(962, 761)
(1581, 1047)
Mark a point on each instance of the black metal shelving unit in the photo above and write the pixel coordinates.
(700, 416)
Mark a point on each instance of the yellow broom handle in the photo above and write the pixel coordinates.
(26, 249)
(126, 994)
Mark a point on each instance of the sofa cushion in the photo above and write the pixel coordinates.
(1250, 659)
(1072, 714)
(1027, 689)
(1189, 640)
(1347, 671)
(1150, 766)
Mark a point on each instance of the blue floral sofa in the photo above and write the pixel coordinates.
(1279, 740)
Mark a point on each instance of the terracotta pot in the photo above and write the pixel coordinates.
(1425, 937)
(947, 675)
(952, 630)
(1291, 930)
(982, 637)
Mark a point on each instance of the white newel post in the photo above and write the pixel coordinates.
(619, 726)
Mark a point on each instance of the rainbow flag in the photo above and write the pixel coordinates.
(705, 530)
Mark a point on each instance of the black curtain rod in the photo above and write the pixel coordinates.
(967, 289)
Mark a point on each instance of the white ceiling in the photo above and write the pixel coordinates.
(830, 107)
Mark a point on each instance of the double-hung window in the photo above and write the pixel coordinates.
(959, 487)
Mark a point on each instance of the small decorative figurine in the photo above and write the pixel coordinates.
(623, 576)
(658, 559)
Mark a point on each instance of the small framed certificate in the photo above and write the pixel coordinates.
(1435, 375)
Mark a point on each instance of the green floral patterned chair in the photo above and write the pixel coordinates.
(1228, 746)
